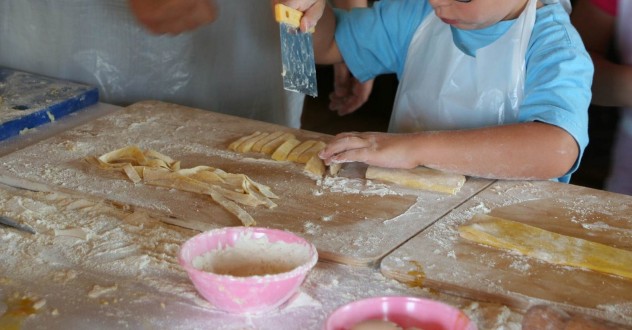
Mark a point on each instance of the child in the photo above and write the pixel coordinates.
(600, 22)
(488, 88)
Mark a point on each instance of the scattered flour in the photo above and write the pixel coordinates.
(251, 256)
(355, 186)
(126, 275)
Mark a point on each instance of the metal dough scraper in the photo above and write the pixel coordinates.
(297, 52)
(14, 224)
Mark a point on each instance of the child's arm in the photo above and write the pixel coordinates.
(531, 150)
(349, 94)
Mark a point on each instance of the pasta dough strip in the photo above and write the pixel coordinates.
(418, 178)
(153, 168)
(305, 156)
(548, 246)
(234, 145)
(298, 150)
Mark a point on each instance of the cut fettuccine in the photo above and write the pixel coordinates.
(153, 168)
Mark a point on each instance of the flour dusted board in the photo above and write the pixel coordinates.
(349, 220)
(454, 264)
(29, 100)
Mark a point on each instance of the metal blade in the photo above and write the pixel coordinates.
(12, 223)
(297, 56)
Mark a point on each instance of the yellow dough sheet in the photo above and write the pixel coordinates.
(548, 246)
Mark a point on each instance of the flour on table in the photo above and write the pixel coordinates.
(98, 291)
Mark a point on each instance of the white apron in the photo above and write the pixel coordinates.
(443, 88)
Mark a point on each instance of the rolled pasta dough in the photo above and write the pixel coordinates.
(548, 246)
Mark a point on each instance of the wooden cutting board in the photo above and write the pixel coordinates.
(28, 100)
(348, 219)
(438, 258)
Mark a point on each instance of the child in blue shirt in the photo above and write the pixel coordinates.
(494, 89)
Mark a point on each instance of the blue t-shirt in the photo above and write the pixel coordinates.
(559, 71)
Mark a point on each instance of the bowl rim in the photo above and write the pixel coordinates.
(330, 318)
(298, 270)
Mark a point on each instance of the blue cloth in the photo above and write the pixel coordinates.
(559, 72)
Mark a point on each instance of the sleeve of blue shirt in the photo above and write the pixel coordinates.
(558, 78)
(559, 70)
(375, 41)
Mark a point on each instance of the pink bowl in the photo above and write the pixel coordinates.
(406, 312)
(247, 269)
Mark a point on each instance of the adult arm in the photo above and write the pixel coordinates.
(173, 16)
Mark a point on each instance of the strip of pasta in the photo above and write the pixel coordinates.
(548, 246)
(150, 167)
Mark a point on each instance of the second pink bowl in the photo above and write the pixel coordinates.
(406, 312)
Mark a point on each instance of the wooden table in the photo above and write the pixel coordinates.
(438, 258)
(349, 219)
(123, 273)
(45, 131)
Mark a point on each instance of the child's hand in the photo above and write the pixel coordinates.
(312, 11)
(173, 16)
(349, 94)
(378, 149)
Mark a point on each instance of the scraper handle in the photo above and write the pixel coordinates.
(290, 16)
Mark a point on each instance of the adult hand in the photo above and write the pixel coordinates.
(349, 93)
(312, 10)
(173, 16)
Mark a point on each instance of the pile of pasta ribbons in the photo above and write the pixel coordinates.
(153, 168)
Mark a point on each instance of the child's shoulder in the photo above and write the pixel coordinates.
(553, 29)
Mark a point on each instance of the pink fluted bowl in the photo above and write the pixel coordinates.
(406, 312)
(247, 269)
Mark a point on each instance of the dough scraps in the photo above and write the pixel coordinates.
(153, 168)
(334, 168)
(418, 178)
(548, 246)
(316, 166)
